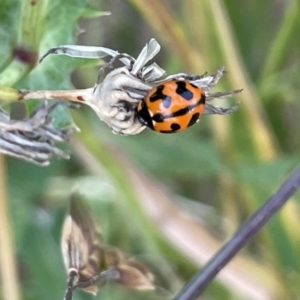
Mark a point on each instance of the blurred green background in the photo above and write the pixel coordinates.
(170, 200)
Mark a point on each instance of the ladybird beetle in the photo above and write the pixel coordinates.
(172, 106)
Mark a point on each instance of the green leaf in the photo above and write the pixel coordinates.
(9, 10)
(42, 25)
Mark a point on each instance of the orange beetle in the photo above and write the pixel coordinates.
(172, 106)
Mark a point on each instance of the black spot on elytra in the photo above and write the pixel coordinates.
(174, 128)
(185, 110)
(194, 119)
(159, 118)
(182, 112)
(183, 91)
(158, 94)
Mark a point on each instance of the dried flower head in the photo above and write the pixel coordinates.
(90, 264)
(32, 139)
(115, 96)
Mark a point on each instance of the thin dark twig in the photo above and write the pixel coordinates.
(252, 225)
(73, 276)
(102, 276)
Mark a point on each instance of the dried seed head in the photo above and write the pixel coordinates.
(115, 99)
(33, 139)
(89, 264)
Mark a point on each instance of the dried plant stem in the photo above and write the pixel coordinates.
(69, 95)
(8, 265)
(201, 280)
(11, 94)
